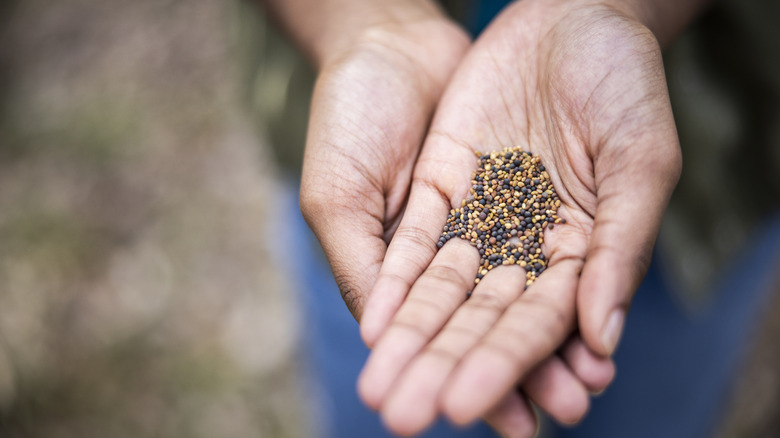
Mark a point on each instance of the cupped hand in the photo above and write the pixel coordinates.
(582, 85)
(371, 107)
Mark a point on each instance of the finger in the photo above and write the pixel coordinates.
(594, 371)
(432, 300)
(631, 203)
(441, 181)
(529, 331)
(412, 405)
(557, 391)
(513, 417)
(412, 248)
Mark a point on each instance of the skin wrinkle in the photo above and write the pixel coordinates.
(425, 301)
(319, 206)
(413, 66)
(366, 143)
(393, 276)
(362, 143)
(490, 301)
(538, 302)
(455, 141)
(585, 30)
(411, 262)
(563, 165)
(392, 222)
(460, 329)
(446, 274)
(411, 327)
(501, 94)
(498, 347)
(520, 317)
(416, 318)
(443, 353)
(376, 185)
(639, 268)
(416, 234)
(554, 254)
(354, 300)
(553, 119)
(487, 119)
(394, 210)
(448, 200)
(494, 315)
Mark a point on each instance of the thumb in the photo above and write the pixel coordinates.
(631, 199)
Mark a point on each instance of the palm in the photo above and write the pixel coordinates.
(583, 87)
(360, 154)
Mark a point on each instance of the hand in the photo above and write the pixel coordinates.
(371, 108)
(582, 85)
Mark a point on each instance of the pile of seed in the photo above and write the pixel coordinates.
(511, 202)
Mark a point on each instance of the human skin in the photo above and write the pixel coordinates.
(582, 85)
(379, 81)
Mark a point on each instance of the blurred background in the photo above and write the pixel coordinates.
(144, 288)
(154, 269)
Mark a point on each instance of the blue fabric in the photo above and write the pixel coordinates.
(483, 13)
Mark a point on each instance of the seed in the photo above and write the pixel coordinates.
(512, 200)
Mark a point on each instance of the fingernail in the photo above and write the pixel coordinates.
(611, 333)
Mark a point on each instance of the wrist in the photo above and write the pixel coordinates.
(326, 30)
(429, 47)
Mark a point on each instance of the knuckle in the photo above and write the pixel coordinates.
(412, 327)
(551, 316)
(488, 301)
(443, 353)
(414, 234)
(445, 274)
(631, 262)
(500, 349)
(417, 312)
